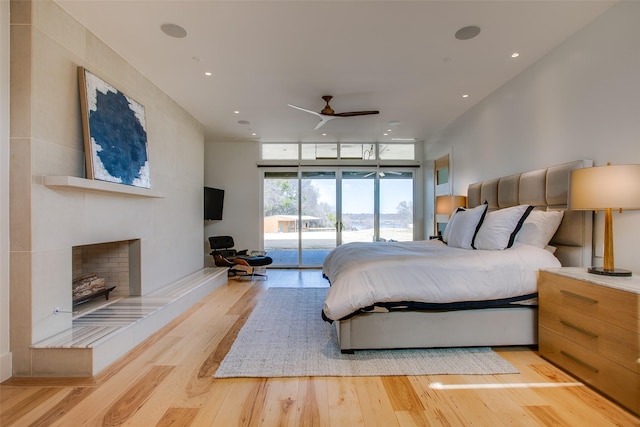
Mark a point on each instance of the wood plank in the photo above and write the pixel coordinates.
(73, 397)
(401, 393)
(135, 396)
(281, 402)
(439, 408)
(344, 405)
(178, 417)
(233, 410)
(9, 416)
(313, 403)
(375, 402)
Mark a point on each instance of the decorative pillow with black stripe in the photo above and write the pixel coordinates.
(499, 229)
(463, 227)
(539, 228)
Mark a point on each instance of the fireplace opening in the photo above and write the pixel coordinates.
(103, 273)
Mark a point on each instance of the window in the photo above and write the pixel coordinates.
(280, 151)
(338, 151)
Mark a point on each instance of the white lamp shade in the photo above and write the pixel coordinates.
(614, 187)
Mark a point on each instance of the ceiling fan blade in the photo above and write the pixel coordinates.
(355, 113)
(305, 110)
(327, 113)
(324, 120)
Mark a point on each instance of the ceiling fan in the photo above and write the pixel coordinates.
(327, 112)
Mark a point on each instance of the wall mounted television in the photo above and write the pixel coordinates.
(213, 203)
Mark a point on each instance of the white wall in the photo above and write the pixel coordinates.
(5, 354)
(46, 139)
(232, 167)
(581, 101)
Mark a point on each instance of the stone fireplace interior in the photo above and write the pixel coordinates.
(118, 263)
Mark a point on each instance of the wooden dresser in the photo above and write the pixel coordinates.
(588, 325)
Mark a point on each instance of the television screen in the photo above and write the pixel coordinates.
(213, 203)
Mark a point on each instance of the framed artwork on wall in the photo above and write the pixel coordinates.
(115, 135)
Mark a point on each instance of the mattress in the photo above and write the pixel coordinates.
(364, 275)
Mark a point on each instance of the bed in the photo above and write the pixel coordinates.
(423, 294)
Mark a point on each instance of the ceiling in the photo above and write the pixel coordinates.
(398, 57)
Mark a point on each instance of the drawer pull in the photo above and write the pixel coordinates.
(579, 329)
(575, 359)
(580, 297)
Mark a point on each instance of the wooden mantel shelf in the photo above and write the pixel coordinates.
(82, 184)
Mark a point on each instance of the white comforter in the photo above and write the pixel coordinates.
(362, 274)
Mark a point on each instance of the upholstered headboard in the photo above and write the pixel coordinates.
(545, 189)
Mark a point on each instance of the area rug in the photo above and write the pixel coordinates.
(285, 336)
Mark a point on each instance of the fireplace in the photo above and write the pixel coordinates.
(108, 271)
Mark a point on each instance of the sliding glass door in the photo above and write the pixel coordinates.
(281, 219)
(308, 212)
(357, 206)
(319, 230)
(396, 205)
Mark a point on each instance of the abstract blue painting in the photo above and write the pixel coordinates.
(114, 132)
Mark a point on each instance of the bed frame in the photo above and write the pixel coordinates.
(545, 189)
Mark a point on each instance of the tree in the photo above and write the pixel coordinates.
(281, 198)
(405, 212)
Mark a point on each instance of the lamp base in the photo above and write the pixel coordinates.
(615, 272)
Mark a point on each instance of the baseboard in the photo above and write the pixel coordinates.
(6, 367)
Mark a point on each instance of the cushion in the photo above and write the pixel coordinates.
(499, 228)
(447, 229)
(464, 227)
(539, 227)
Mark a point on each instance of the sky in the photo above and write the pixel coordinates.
(358, 194)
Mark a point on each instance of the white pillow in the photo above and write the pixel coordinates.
(539, 227)
(447, 229)
(499, 228)
(465, 226)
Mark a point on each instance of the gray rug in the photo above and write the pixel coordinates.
(286, 337)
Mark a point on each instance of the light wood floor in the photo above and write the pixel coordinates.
(167, 381)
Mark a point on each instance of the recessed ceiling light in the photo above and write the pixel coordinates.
(324, 134)
(466, 33)
(515, 54)
(236, 112)
(388, 130)
(465, 95)
(385, 134)
(207, 73)
(394, 123)
(254, 134)
(173, 30)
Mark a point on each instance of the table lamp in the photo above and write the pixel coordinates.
(446, 205)
(606, 188)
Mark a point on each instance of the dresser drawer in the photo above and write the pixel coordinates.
(617, 382)
(612, 342)
(610, 305)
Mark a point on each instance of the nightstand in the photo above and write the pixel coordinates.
(588, 325)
